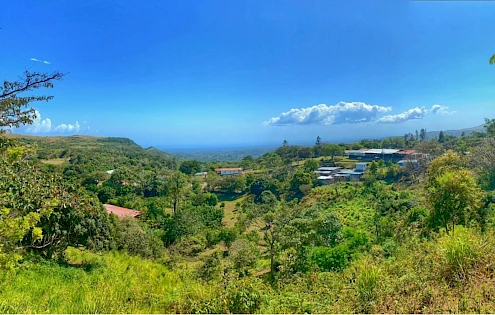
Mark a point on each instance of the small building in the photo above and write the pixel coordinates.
(328, 170)
(202, 174)
(229, 171)
(110, 172)
(325, 180)
(121, 212)
(393, 155)
(361, 167)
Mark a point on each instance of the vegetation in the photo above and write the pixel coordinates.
(405, 239)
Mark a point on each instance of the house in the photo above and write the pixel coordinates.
(229, 171)
(393, 155)
(110, 172)
(361, 167)
(203, 174)
(328, 170)
(325, 180)
(121, 212)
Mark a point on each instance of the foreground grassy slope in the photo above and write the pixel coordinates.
(445, 275)
(112, 283)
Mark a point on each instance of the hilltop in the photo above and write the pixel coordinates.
(456, 132)
(93, 153)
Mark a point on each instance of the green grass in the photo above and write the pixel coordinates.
(112, 283)
(230, 216)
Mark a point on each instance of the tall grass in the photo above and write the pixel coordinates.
(461, 252)
(113, 283)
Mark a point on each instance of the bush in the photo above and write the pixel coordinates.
(137, 239)
(210, 199)
(330, 259)
(191, 245)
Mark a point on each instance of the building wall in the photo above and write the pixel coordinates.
(230, 172)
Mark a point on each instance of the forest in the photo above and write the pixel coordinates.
(411, 239)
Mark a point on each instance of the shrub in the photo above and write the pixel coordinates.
(330, 259)
(191, 245)
(137, 239)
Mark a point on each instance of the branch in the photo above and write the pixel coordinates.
(32, 81)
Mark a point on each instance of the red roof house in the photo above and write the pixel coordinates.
(121, 212)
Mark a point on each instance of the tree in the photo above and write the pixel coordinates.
(451, 191)
(106, 193)
(331, 150)
(441, 137)
(454, 197)
(490, 127)
(272, 219)
(176, 186)
(210, 199)
(301, 183)
(190, 167)
(492, 59)
(305, 152)
(311, 165)
(285, 144)
(318, 140)
(14, 109)
(422, 134)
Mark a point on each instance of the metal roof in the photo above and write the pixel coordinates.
(331, 168)
(325, 177)
(228, 169)
(121, 212)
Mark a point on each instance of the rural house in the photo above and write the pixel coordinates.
(229, 171)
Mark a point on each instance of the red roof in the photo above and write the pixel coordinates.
(228, 169)
(121, 212)
(406, 152)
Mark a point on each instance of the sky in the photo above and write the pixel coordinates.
(219, 73)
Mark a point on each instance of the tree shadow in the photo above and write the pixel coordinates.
(222, 197)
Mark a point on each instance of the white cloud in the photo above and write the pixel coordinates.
(42, 61)
(441, 110)
(413, 113)
(68, 127)
(341, 113)
(39, 125)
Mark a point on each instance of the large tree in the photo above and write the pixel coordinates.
(451, 192)
(14, 105)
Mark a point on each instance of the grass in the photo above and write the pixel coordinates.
(114, 283)
(230, 216)
(58, 161)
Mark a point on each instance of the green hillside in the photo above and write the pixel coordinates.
(95, 153)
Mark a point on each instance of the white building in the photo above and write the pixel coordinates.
(229, 171)
(361, 167)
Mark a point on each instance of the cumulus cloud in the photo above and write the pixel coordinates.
(42, 61)
(341, 113)
(68, 127)
(441, 110)
(40, 125)
(413, 113)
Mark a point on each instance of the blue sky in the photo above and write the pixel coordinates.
(221, 73)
